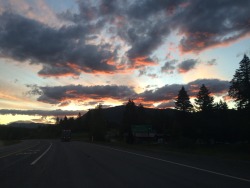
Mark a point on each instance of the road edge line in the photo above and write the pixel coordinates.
(37, 159)
(179, 164)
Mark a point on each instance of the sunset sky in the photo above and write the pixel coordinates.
(63, 57)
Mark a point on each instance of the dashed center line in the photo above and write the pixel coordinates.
(16, 152)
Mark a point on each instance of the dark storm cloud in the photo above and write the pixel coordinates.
(187, 65)
(141, 26)
(146, 8)
(215, 86)
(59, 94)
(39, 112)
(169, 67)
(166, 92)
(146, 36)
(208, 23)
(204, 23)
(61, 51)
(169, 92)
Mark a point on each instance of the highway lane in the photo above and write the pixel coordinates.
(9, 150)
(78, 164)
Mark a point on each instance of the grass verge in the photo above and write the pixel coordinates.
(223, 151)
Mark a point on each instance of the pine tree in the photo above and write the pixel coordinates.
(97, 122)
(57, 121)
(183, 102)
(240, 84)
(221, 105)
(141, 115)
(129, 116)
(204, 102)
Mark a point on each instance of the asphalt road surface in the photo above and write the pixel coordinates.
(52, 164)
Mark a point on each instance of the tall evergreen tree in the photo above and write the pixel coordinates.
(129, 116)
(203, 101)
(141, 115)
(183, 102)
(57, 121)
(221, 105)
(97, 122)
(240, 84)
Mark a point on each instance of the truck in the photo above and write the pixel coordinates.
(66, 135)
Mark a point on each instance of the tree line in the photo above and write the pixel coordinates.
(239, 90)
(204, 121)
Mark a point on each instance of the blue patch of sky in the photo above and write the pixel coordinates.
(228, 57)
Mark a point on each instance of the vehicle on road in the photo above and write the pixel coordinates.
(66, 135)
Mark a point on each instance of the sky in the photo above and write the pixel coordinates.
(63, 57)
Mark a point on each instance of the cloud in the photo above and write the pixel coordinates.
(187, 65)
(212, 62)
(169, 104)
(212, 23)
(147, 8)
(60, 94)
(153, 75)
(169, 92)
(37, 10)
(169, 67)
(144, 72)
(215, 86)
(57, 112)
(92, 95)
(60, 51)
(109, 37)
(93, 103)
(145, 37)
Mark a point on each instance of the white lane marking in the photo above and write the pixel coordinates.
(179, 164)
(35, 161)
(18, 151)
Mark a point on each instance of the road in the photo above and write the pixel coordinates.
(51, 164)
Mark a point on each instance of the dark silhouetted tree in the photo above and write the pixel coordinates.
(183, 102)
(65, 123)
(129, 118)
(97, 123)
(203, 101)
(240, 84)
(141, 115)
(57, 121)
(130, 113)
(221, 105)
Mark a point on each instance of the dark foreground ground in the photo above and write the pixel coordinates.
(51, 163)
